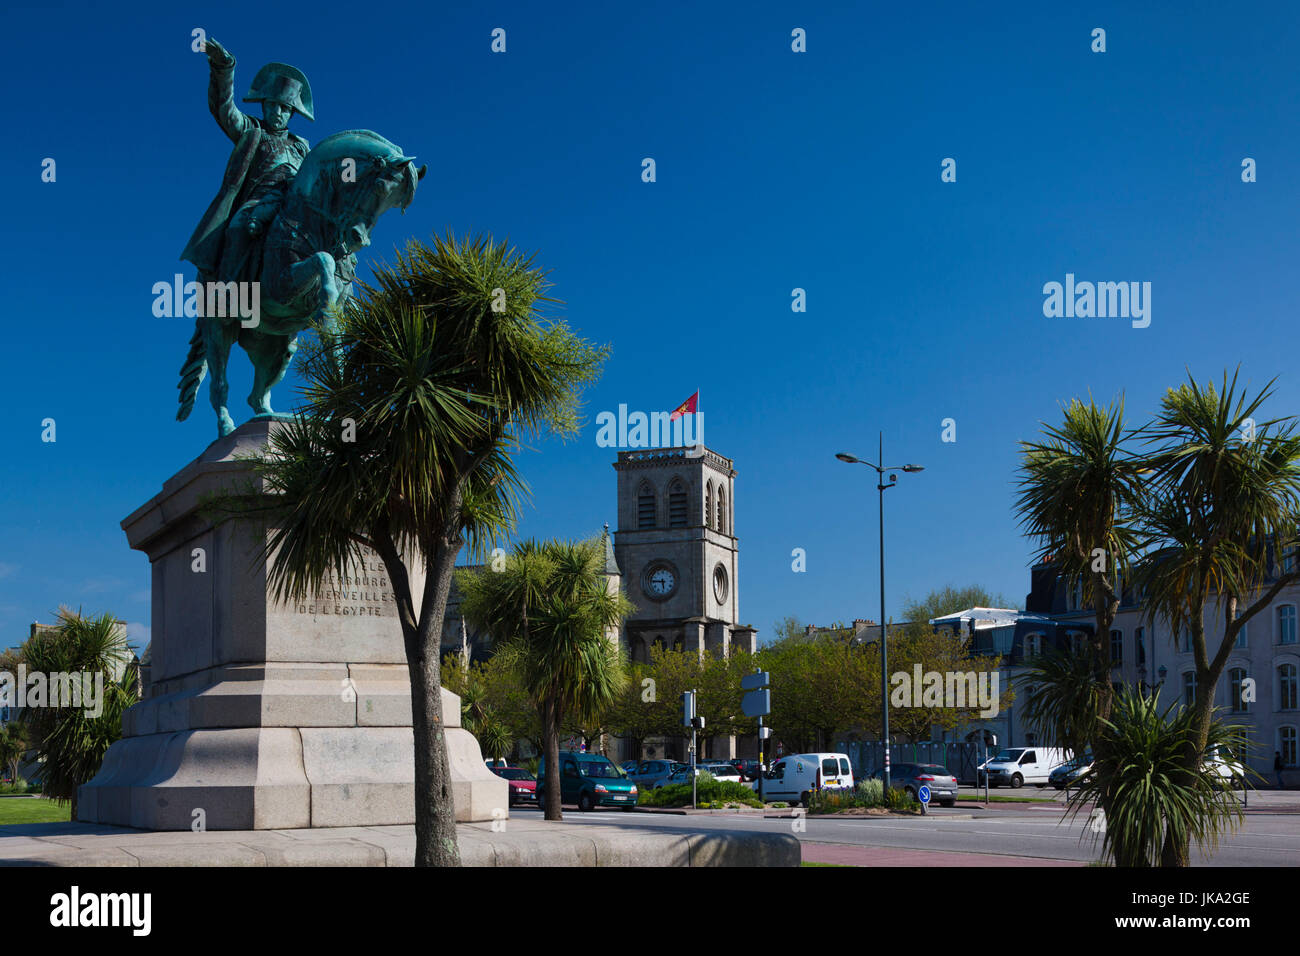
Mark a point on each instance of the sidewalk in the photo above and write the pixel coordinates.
(522, 842)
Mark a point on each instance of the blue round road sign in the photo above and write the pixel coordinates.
(923, 794)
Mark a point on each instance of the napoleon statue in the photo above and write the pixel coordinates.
(282, 232)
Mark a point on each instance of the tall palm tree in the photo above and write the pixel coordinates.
(1079, 486)
(1141, 782)
(1222, 510)
(74, 739)
(404, 446)
(550, 611)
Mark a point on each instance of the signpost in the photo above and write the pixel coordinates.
(923, 794)
(690, 720)
(758, 703)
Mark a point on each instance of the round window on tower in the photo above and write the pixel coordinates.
(720, 584)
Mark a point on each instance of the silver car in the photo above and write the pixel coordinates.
(653, 774)
(912, 776)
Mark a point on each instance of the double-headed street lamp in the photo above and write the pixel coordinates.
(881, 485)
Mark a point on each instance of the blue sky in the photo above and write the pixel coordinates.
(775, 170)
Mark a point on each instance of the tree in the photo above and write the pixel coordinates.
(638, 712)
(74, 739)
(1220, 515)
(1141, 777)
(476, 712)
(13, 744)
(1079, 489)
(551, 610)
(1063, 699)
(939, 652)
(404, 447)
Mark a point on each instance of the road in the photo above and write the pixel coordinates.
(1015, 835)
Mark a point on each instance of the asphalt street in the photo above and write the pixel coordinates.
(1264, 839)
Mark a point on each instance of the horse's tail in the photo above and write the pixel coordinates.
(192, 372)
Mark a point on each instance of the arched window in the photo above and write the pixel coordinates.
(1286, 624)
(1033, 646)
(677, 504)
(708, 504)
(1236, 680)
(1140, 640)
(645, 506)
(1286, 687)
(722, 510)
(1189, 688)
(1116, 648)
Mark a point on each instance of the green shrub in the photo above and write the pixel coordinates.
(709, 791)
(872, 792)
(867, 794)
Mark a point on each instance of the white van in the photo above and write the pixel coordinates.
(794, 778)
(1017, 766)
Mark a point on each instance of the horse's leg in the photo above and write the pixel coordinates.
(219, 336)
(270, 355)
(317, 272)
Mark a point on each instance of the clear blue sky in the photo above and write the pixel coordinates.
(776, 170)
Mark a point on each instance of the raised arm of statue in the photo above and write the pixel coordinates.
(221, 92)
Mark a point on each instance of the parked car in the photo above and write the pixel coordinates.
(722, 771)
(749, 769)
(1221, 764)
(628, 766)
(589, 780)
(912, 776)
(795, 778)
(1070, 772)
(653, 774)
(1018, 766)
(523, 785)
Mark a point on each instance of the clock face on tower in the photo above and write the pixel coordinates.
(660, 581)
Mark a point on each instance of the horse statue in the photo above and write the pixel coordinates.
(307, 264)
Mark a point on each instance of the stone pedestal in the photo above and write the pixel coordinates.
(260, 715)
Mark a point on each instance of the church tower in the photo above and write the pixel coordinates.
(677, 550)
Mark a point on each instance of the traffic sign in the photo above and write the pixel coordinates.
(923, 794)
(757, 703)
(755, 681)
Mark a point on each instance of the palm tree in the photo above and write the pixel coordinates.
(551, 610)
(404, 447)
(1140, 780)
(1221, 512)
(74, 739)
(1078, 489)
(1063, 700)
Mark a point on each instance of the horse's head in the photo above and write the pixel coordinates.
(348, 181)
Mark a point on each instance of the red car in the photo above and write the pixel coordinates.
(523, 785)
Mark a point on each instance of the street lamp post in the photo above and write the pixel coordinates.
(881, 485)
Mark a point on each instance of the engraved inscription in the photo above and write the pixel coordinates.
(362, 592)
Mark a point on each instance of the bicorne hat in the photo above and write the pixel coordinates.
(284, 84)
